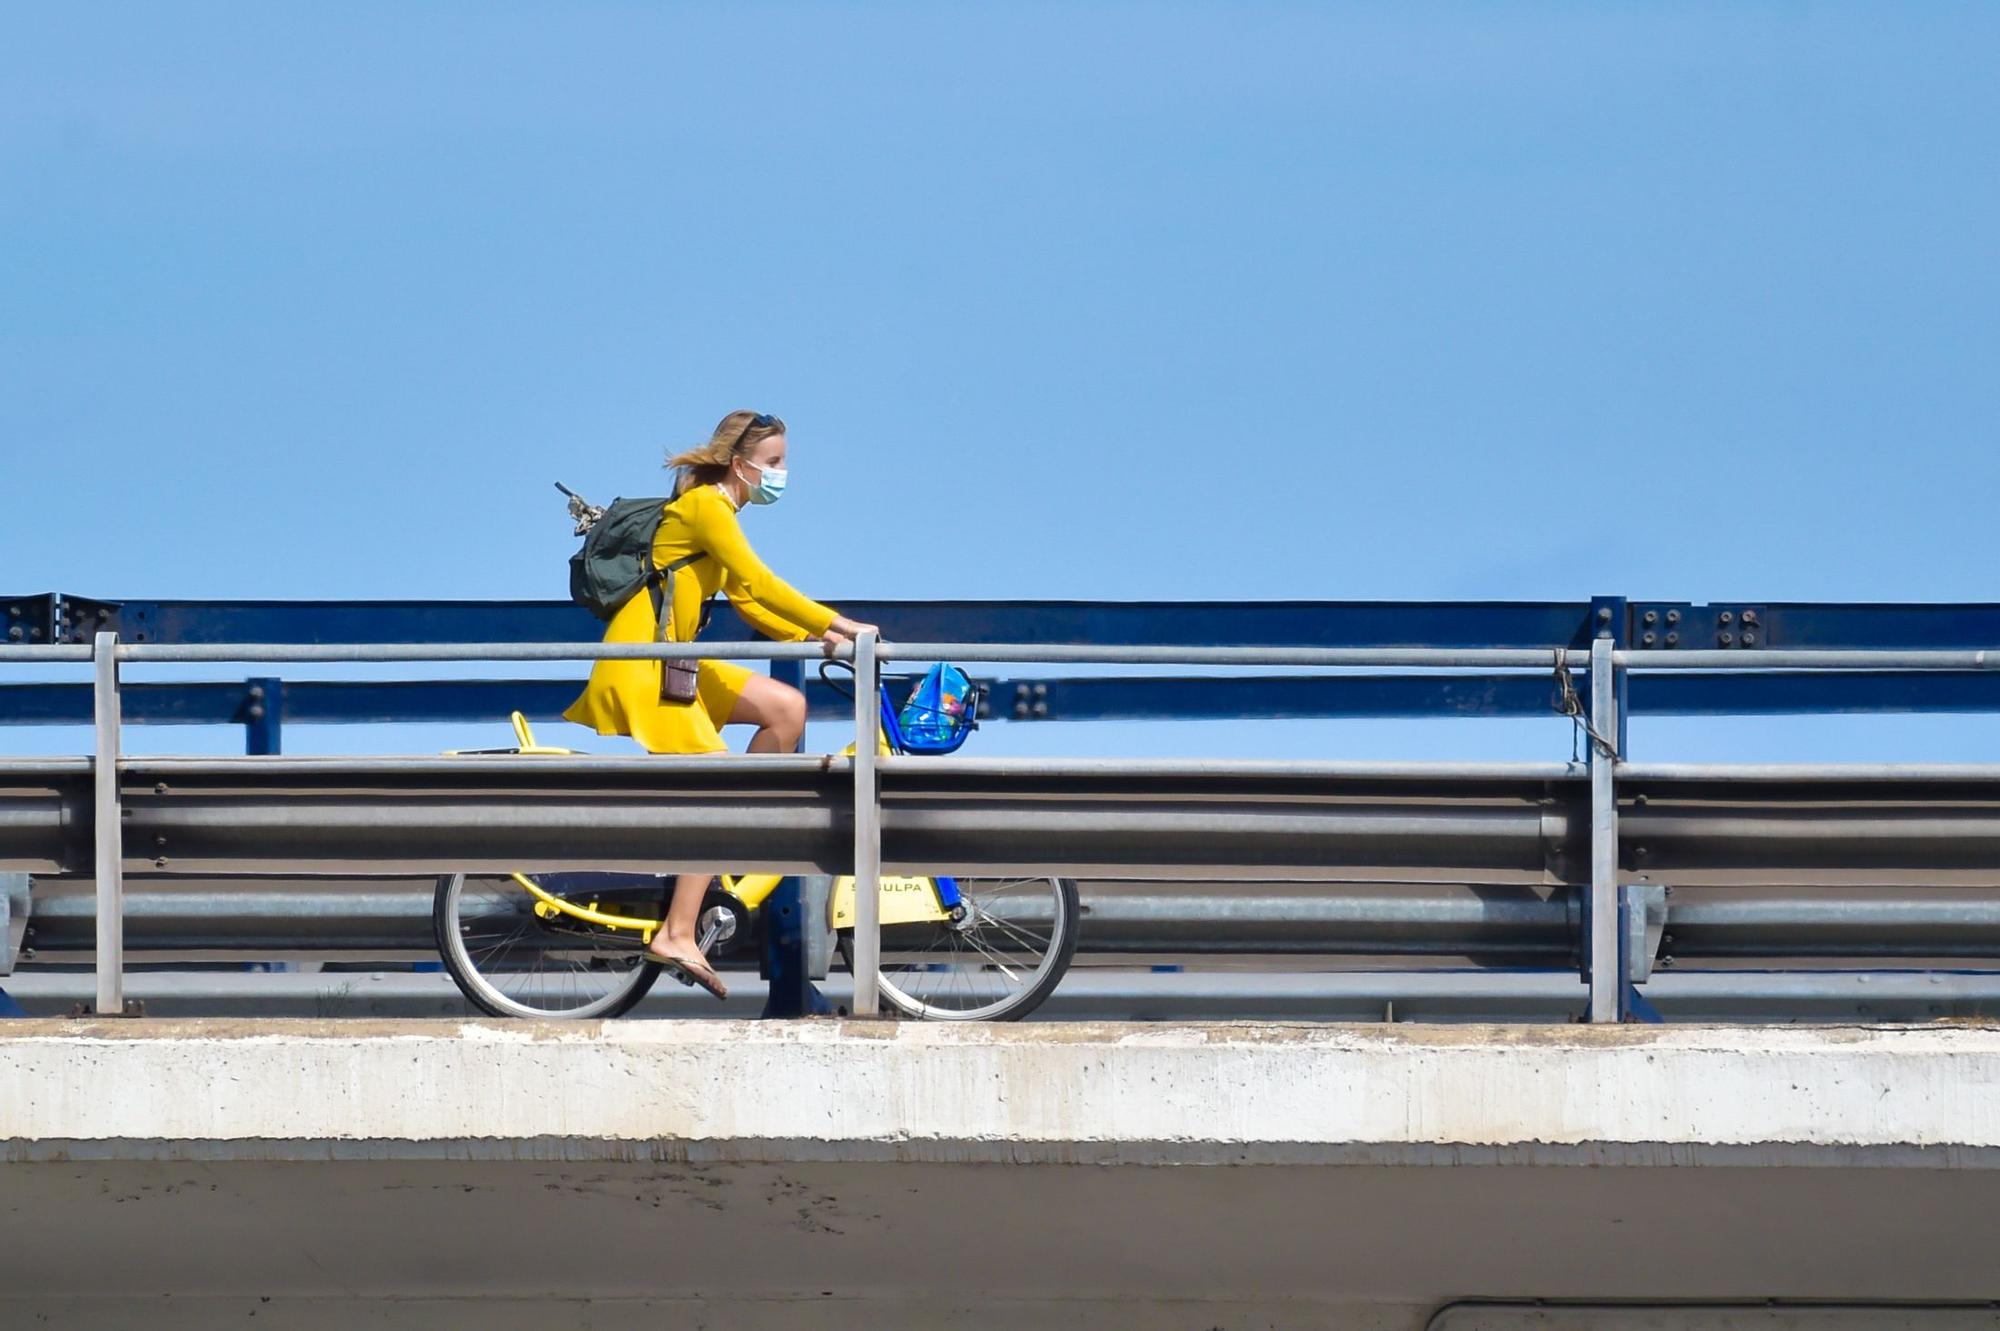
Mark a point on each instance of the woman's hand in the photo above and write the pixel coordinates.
(844, 631)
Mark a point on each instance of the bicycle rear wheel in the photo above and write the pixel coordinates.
(509, 961)
(997, 960)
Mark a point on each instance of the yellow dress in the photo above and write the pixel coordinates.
(623, 697)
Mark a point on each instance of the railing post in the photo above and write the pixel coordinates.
(1604, 952)
(263, 715)
(109, 863)
(867, 827)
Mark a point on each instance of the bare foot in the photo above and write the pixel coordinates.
(688, 962)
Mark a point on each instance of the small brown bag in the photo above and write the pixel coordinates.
(678, 679)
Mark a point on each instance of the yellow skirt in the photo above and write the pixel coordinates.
(623, 697)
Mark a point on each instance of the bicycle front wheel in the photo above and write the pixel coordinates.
(509, 961)
(997, 959)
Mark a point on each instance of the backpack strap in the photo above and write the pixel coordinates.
(679, 564)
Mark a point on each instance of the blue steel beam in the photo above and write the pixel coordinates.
(1162, 623)
(1142, 698)
(1157, 623)
(1830, 626)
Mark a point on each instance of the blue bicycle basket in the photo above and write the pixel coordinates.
(939, 712)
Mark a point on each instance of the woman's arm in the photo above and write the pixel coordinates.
(757, 617)
(746, 579)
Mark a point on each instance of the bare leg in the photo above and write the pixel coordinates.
(777, 710)
(779, 713)
(676, 942)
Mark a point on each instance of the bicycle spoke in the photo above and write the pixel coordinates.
(517, 962)
(1003, 925)
(991, 959)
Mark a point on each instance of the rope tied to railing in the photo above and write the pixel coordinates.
(1569, 704)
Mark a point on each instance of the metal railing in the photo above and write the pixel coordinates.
(1605, 966)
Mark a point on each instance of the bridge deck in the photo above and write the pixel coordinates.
(1246, 1174)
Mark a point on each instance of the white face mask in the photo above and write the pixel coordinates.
(770, 484)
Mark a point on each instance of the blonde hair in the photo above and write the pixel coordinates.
(735, 435)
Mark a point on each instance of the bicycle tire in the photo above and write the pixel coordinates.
(449, 929)
(1010, 1004)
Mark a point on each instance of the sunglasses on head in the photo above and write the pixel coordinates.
(758, 422)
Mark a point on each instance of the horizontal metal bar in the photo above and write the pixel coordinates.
(1330, 657)
(265, 916)
(271, 915)
(255, 767)
(1514, 921)
(480, 766)
(1028, 653)
(1887, 773)
(788, 814)
(1196, 769)
(1794, 925)
(1765, 658)
(780, 814)
(32, 769)
(1129, 697)
(1123, 995)
(1528, 923)
(44, 653)
(478, 651)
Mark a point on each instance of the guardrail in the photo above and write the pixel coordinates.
(1608, 926)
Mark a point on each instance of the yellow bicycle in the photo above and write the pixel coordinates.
(573, 944)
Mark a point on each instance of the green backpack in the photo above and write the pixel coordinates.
(616, 559)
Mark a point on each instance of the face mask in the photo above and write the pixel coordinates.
(770, 485)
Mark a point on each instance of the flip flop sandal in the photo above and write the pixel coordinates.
(704, 978)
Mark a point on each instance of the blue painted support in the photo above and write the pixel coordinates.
(792, 992)
(785, 964)
(10, 1008)
(263, 715)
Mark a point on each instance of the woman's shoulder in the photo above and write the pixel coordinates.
(698, 496)
(702, 501)
(689, 501)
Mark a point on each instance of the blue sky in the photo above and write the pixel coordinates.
(1264, 300)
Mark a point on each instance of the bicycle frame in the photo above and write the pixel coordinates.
(905, 899)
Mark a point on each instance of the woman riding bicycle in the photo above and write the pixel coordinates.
(743, 462)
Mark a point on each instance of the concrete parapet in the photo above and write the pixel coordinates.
(1242, 1094)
